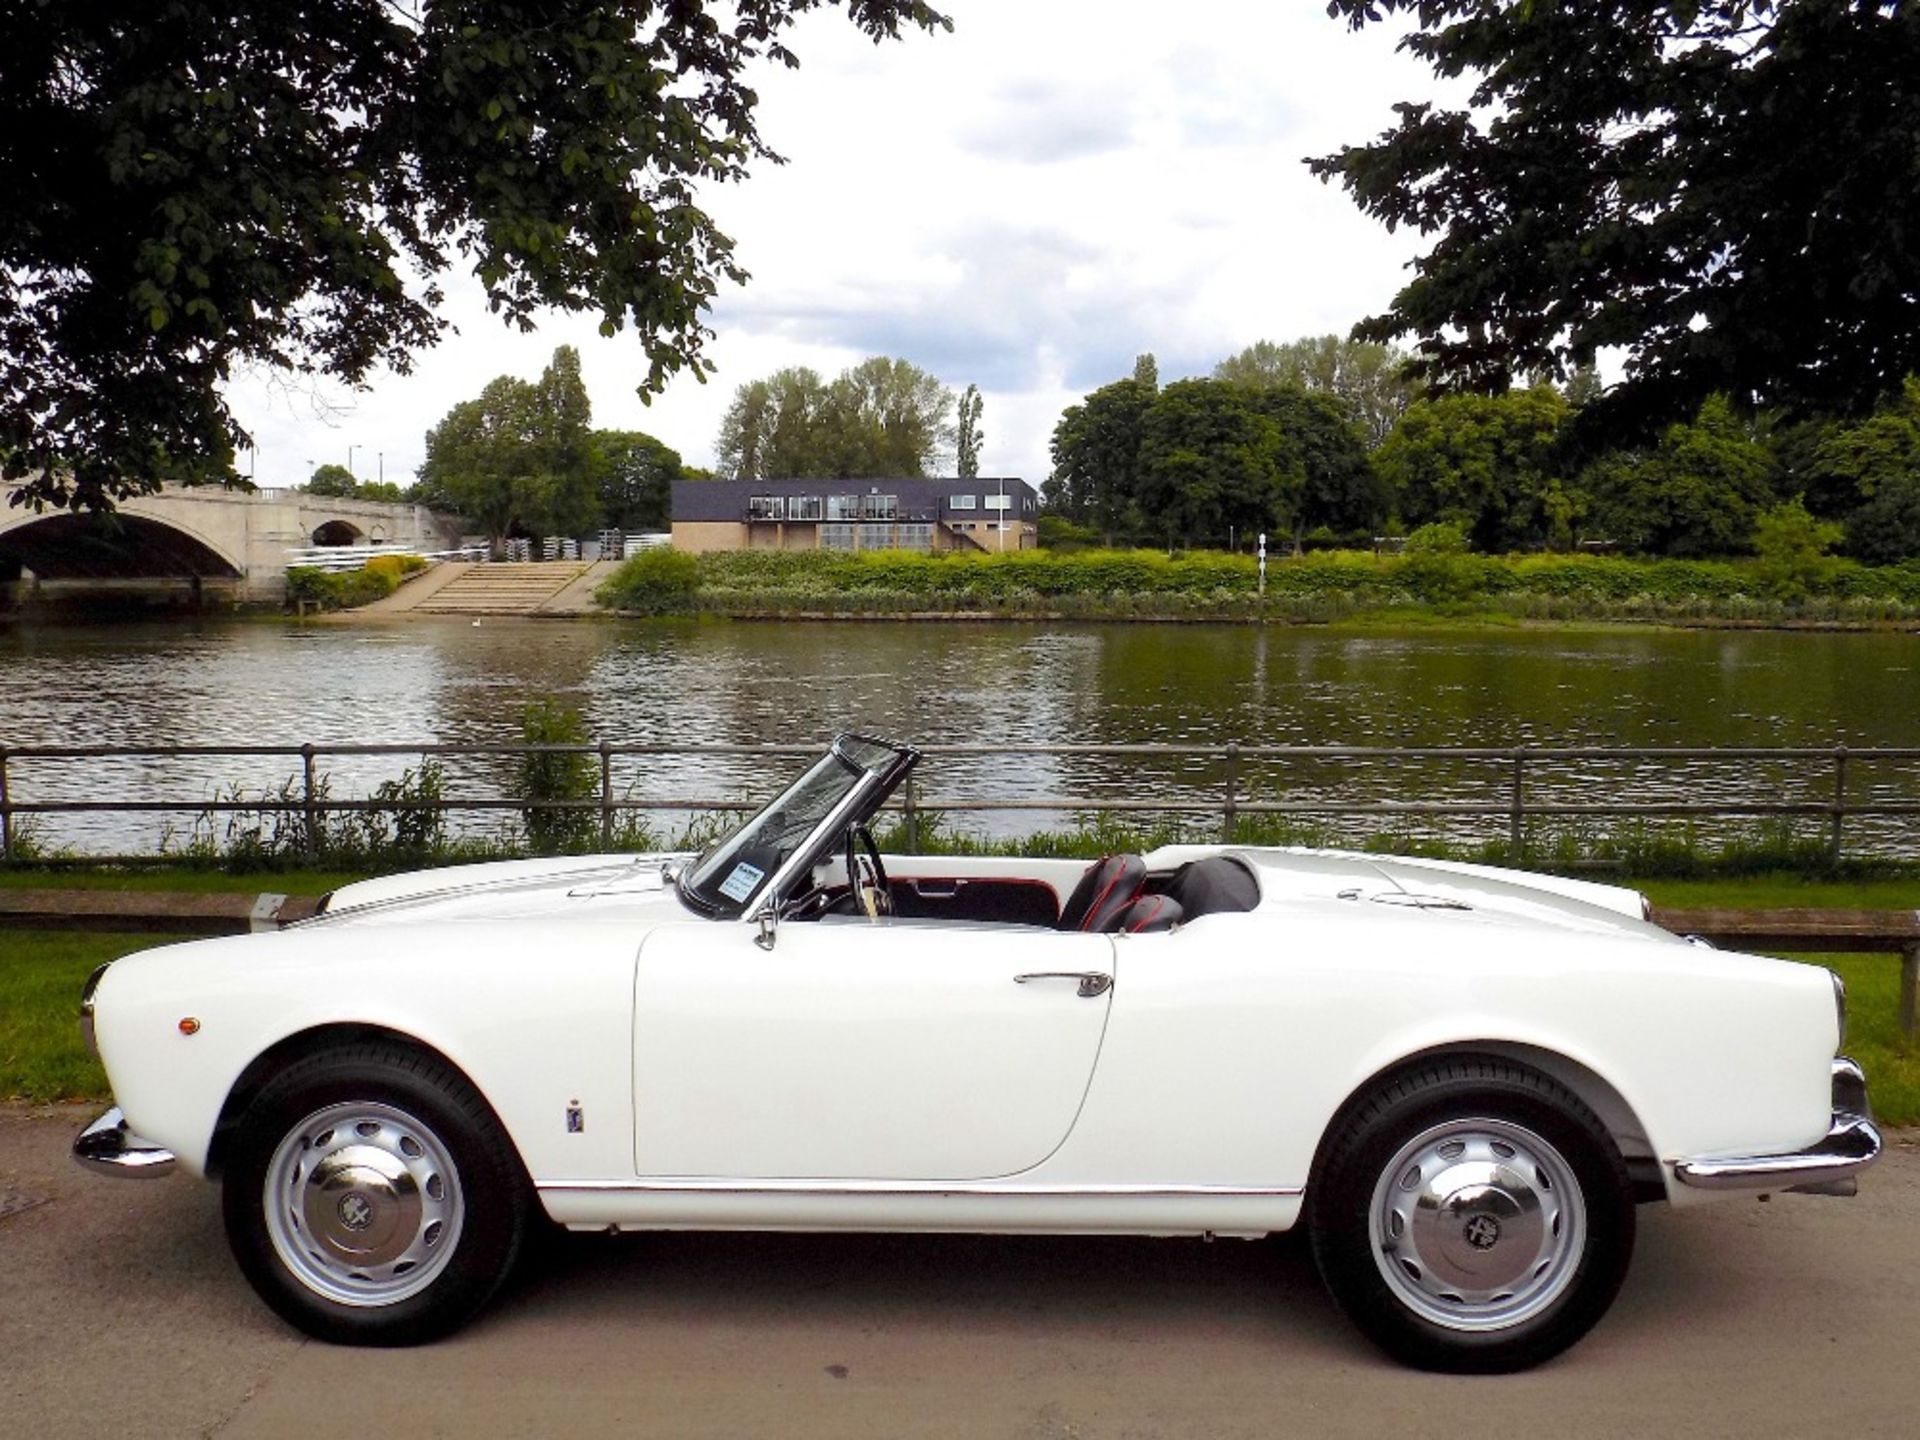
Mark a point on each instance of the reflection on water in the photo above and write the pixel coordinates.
(674, 682)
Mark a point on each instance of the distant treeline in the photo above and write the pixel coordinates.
(1327, 437)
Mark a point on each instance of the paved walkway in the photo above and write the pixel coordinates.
(121, 1314)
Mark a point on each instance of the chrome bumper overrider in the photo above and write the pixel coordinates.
(109, 1147)
(1827, 1167)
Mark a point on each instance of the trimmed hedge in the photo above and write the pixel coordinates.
(349, 589)
(1315, 586)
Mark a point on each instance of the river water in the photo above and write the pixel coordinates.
(254, 682)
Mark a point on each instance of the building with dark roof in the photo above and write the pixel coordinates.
(981, 516)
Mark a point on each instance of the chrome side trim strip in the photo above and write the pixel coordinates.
(987, 1190)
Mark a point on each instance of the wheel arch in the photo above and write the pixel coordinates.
(1593, 1089)
(297, 1046)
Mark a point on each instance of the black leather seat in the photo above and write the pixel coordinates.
(1150, 913)
(1111, 884)
(1213, 886)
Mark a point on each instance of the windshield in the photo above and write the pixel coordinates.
(736, 868)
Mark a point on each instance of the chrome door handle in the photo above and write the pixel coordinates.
(1092, 982)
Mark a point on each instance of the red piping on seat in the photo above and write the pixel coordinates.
(1101, 898)
(1159, 904)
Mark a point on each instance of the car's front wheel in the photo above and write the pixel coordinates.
(1473, 1216)
(371, 1199)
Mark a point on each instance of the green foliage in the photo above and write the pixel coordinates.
(1873, 470)
(881, 418)
(967, 435)
(1057, 532)
(1096, 457)
(1369, 381)
(1696, 493)
(520, 457)
(404, 824)
(1724, 190)
(1792, 548)
(1442, 537)
(281, 186)
(548, 776)
(1321, 585)
(333, 480)
(634, 475)
(350, 589)
(1485, 461)
(659, 581)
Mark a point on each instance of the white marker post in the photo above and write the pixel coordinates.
(1263, 564)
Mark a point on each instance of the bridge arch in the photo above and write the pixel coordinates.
(117, 546)
(337, 532)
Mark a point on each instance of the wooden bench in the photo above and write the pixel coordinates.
(160, 912)
(1815, 932)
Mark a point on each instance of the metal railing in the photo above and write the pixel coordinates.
(1506, 799)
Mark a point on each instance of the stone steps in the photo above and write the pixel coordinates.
(504, 589)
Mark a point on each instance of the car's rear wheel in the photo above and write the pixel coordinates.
(371, 1197)
(1473, 1216)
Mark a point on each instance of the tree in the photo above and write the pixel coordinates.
(1792, 546)
(1339, 488)
(1213, 464)
(1723, 189)
(1485, 461)
(967, 436)
(333, 480)
(282, 187)
(1146, 370)
(634, 475)
(1096, 456)
(1873, 469)
(480, 459)
(1370, 381)
(1698, 492)
(881, 418)
(520, 457)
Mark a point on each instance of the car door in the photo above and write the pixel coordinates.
(863, 1050)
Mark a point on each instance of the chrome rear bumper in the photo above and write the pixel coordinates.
(1827, 1167)
(109, 1147)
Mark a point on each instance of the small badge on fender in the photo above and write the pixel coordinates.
(576, 1118)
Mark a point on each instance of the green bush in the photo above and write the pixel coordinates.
(659, 581)
(350, 589)
(555, 775)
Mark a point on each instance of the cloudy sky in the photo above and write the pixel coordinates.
(1024, 204)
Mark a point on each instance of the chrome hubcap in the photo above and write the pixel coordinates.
(363, 1204)
(1477, 1224)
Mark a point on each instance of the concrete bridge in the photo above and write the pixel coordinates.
(194, 545)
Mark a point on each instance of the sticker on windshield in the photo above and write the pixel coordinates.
(739, 885)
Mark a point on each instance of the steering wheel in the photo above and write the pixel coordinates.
(866, 874)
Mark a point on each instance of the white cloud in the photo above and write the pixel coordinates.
(1024, 204)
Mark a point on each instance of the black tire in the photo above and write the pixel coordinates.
(381, 1156)
(1409, 1236)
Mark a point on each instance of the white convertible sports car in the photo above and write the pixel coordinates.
(1459, 1079)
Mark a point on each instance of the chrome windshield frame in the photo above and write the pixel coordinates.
(869, 792)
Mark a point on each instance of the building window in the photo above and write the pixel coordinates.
(916, 537)
(963, 502)
(803, 507)
(876, 537)
(879, 507)
(999, 502)
(843, 507)
(836, 537)
(767, 507)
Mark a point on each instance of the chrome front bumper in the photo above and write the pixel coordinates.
(109, 1147)
(1827, 1167)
